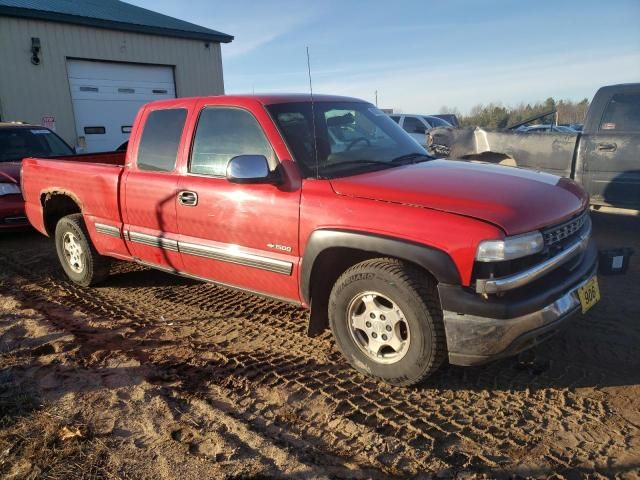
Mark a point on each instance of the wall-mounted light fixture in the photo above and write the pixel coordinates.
(35, 50)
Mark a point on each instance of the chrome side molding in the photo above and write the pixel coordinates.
(153, 241)
(229, 255)
(502, 284)
(107, 230)
(237, 257)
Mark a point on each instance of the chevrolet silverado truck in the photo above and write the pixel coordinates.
(329, 204)
(604, 157)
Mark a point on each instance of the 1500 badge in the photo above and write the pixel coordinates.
(284, 248)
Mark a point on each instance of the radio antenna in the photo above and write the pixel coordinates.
(313, 118)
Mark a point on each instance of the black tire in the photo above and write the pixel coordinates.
(94, 267)
(414, 292)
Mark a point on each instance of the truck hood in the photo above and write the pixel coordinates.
(10, 172)
(514, 199)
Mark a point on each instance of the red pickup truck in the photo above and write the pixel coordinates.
(329, 204)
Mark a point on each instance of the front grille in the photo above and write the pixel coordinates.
(565, 230)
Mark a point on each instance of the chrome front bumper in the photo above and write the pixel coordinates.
(474, 340)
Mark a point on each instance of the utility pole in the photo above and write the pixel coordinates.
(376, 98)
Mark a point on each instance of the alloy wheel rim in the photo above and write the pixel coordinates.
(73, 252)
(378, 327)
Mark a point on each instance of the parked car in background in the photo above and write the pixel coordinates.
(604, 157)
(331, 205)
(418, 125)
(17, 141)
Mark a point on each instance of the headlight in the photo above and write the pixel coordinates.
(9, 188)
(510, 248)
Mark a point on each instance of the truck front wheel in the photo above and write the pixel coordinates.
(79, 259)
(386, 319)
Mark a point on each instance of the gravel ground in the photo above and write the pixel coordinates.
(155, 376)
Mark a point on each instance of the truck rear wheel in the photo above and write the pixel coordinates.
(79, 259)
(386, 319)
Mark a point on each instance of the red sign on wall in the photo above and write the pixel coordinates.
(49, 121)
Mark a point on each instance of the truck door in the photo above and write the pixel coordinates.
(244, 235)
(610, 153)
(150, 189)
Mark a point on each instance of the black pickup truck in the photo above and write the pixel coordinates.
(604, 157)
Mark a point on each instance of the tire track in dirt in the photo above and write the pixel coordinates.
(246, 348)
(58, 309)
(94, 339)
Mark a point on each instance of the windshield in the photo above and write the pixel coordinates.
(21, 142)
(351, 137)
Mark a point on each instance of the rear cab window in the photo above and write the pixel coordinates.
(622, 113)
(160, 140)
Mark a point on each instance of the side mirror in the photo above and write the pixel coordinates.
(251, 169)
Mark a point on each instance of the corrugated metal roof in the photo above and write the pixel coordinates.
(111, 14)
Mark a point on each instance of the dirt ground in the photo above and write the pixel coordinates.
(155, 376)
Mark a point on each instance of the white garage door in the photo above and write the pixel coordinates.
(106, 97)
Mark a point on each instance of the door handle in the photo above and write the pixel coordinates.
(187, 198)
(607, 147)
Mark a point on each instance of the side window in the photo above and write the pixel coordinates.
(413, 125)
(224, 133)
(395, 118)
(160, 140)
(622, 113)
(436, 122)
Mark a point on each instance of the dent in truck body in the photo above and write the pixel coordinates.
(481, 330)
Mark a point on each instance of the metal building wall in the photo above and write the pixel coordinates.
(29, 92)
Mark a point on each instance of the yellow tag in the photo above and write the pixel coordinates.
(589, 294)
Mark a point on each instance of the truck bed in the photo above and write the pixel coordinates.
(107, 158)
(92, 180)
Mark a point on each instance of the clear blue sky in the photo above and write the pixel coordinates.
(422, 54)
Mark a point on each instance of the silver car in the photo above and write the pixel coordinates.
(417, 125)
